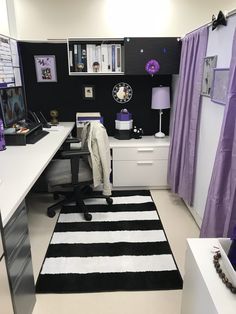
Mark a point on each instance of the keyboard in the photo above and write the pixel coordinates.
(36, 136)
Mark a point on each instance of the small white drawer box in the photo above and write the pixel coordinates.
(124, 125)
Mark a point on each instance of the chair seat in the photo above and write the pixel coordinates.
(59, 172)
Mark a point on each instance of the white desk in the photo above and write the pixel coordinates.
(21, 166)
(203, 290)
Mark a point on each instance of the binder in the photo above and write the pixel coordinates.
(84, 57)
(75, 57)
(118, 58)
(104, 58)
(109, 66)
(113, 58)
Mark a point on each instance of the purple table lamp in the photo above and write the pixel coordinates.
(160, 100)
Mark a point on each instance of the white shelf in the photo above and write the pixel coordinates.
(86, 51)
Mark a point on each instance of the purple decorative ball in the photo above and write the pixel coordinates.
(152, 67)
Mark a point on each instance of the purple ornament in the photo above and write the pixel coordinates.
(152, 67)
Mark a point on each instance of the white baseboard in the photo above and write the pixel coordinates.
(195, 215)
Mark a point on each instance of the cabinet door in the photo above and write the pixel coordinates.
(138, 51)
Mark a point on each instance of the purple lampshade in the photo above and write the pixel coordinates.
(161, 98)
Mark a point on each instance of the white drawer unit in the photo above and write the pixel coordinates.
(140, 163)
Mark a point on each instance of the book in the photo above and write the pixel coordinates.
(113, 58)
(90, 50)
(109, 58)
(71, 60)
(118, 58)
(98, 58)
(84, 57)
(75, 57)
(104, 52)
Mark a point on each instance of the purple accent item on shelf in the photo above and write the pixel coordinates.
(152, 67)
(122, 116)
(91, 119)
(2, 139)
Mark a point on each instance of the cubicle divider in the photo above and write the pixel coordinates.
(66, 93)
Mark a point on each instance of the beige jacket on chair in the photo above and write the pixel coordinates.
(95, 138)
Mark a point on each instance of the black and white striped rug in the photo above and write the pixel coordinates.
(124, 248)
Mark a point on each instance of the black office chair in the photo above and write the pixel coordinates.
(72, 177)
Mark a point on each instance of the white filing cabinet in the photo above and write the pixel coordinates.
(140, 162)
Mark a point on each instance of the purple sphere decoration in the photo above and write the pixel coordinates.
(152, 67)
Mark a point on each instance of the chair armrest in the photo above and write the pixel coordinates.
(67, 144)
(72, 140)
(74, 153)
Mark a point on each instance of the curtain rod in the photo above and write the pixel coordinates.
(227, 14)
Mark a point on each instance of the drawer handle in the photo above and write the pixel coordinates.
(144, 162)
(145, 149)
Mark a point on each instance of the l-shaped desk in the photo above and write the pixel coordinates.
(21, 166)
(135, 164)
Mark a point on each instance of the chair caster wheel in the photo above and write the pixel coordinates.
(109, 201)
(51, 213)
(88, 217)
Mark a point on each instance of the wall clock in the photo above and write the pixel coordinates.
(122, 92)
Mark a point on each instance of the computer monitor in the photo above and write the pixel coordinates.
(12, 105)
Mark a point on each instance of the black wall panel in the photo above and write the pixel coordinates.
(65, 95)
(139, 50)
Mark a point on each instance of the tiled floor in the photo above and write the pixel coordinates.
(178, 224)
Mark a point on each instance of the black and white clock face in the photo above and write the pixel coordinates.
(122, 92)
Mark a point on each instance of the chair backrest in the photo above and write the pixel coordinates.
(94, 138)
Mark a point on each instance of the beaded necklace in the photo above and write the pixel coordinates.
(221, 274)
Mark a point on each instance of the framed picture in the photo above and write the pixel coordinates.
(88, 92)
(209, 65)
(45, 68)
(220, 86)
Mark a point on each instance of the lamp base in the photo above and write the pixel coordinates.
(159, 135)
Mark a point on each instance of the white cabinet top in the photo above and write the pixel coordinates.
(145, 141)
(21, 166)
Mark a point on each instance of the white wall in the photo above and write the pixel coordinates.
(59, 19)
(4, 27)
(220, 44)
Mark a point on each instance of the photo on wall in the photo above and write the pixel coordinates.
(220, 86)
(209, 65)
(45, 68)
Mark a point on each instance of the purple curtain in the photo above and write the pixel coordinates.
(220, 212)
(182, 156)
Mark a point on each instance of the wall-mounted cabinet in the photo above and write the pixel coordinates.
(139, 50)
(95, 56)
(122, 56)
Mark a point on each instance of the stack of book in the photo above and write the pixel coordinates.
(83, 117)
(92, 58)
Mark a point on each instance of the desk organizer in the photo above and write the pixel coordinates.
(21, 139)
(224, 245)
